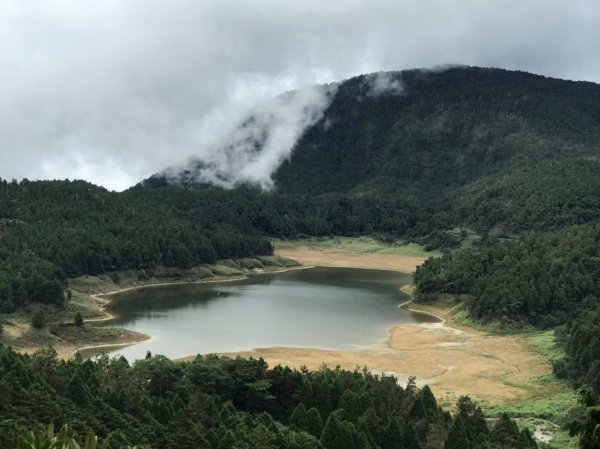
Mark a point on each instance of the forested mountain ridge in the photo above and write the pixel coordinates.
(444, 129)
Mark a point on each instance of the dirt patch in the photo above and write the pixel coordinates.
(333, 257)
(453, 362)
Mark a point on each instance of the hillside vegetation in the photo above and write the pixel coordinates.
(217, 403)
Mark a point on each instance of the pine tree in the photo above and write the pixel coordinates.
(526, 441)
(429, 403)
(78, 320)
(505, 432)
(417, 411)
(392, 437)
(298, 418)
(457, 437)
(369, 424)
(227, 441)
(472, 418)
(77, 391)
(411, 439)
(338, 434)
(314, 423)
(351, 405)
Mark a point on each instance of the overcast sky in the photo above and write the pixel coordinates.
(113, 90)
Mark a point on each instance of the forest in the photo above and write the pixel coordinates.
(219, 403)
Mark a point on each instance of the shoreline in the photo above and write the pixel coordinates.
(453, 359)
(109, 316)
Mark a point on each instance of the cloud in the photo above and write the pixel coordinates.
(116, 90)
(252, 152)
(381, 83)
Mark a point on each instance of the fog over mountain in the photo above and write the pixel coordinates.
(113, 91)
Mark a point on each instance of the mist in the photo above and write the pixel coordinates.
(253, 151)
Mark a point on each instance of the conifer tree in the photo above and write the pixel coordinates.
(369, 424)
(429, 403)
(472, 418)
(77, 391)
(505, 432)
(392, 437)
(298, 418)
(314, 423)
(411, 439)
(457, 437)
(338, 434)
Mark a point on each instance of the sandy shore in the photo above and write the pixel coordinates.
(333, 257)
(452, 360)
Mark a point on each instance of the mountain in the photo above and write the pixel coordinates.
(435, 131)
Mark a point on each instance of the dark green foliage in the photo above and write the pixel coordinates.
(590, 435)
(582, 364)
(38, 320)
(428, 401)
(542, 278)
(392, 437)
(353, 406)
(78, 320)
(505, 431)
(339, 434)
(411, 439)
(298, 418)
(457, 437)
(472, 418)
(205, 403)
(50, 230)
(549, 195)
(418, 412)
(313, 423)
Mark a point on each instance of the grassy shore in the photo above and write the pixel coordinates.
(358, 245)
(88, 295)
(355, 252)
(545, 401)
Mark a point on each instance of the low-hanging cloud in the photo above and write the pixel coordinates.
(112, 91)
(252, 152)
(383, 83)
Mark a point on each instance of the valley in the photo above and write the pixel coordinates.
(483, 182)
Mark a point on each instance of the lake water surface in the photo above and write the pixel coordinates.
(318, 307)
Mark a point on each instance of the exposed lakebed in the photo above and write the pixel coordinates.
(337, 308)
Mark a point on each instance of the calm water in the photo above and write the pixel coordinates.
(319, 307)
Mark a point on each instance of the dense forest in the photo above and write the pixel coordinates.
(222, 403)
(543, 278)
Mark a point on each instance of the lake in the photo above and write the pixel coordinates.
(332, 308)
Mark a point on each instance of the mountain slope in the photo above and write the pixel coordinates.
(443, 130)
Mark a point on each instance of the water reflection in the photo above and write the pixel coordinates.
(319, 307)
